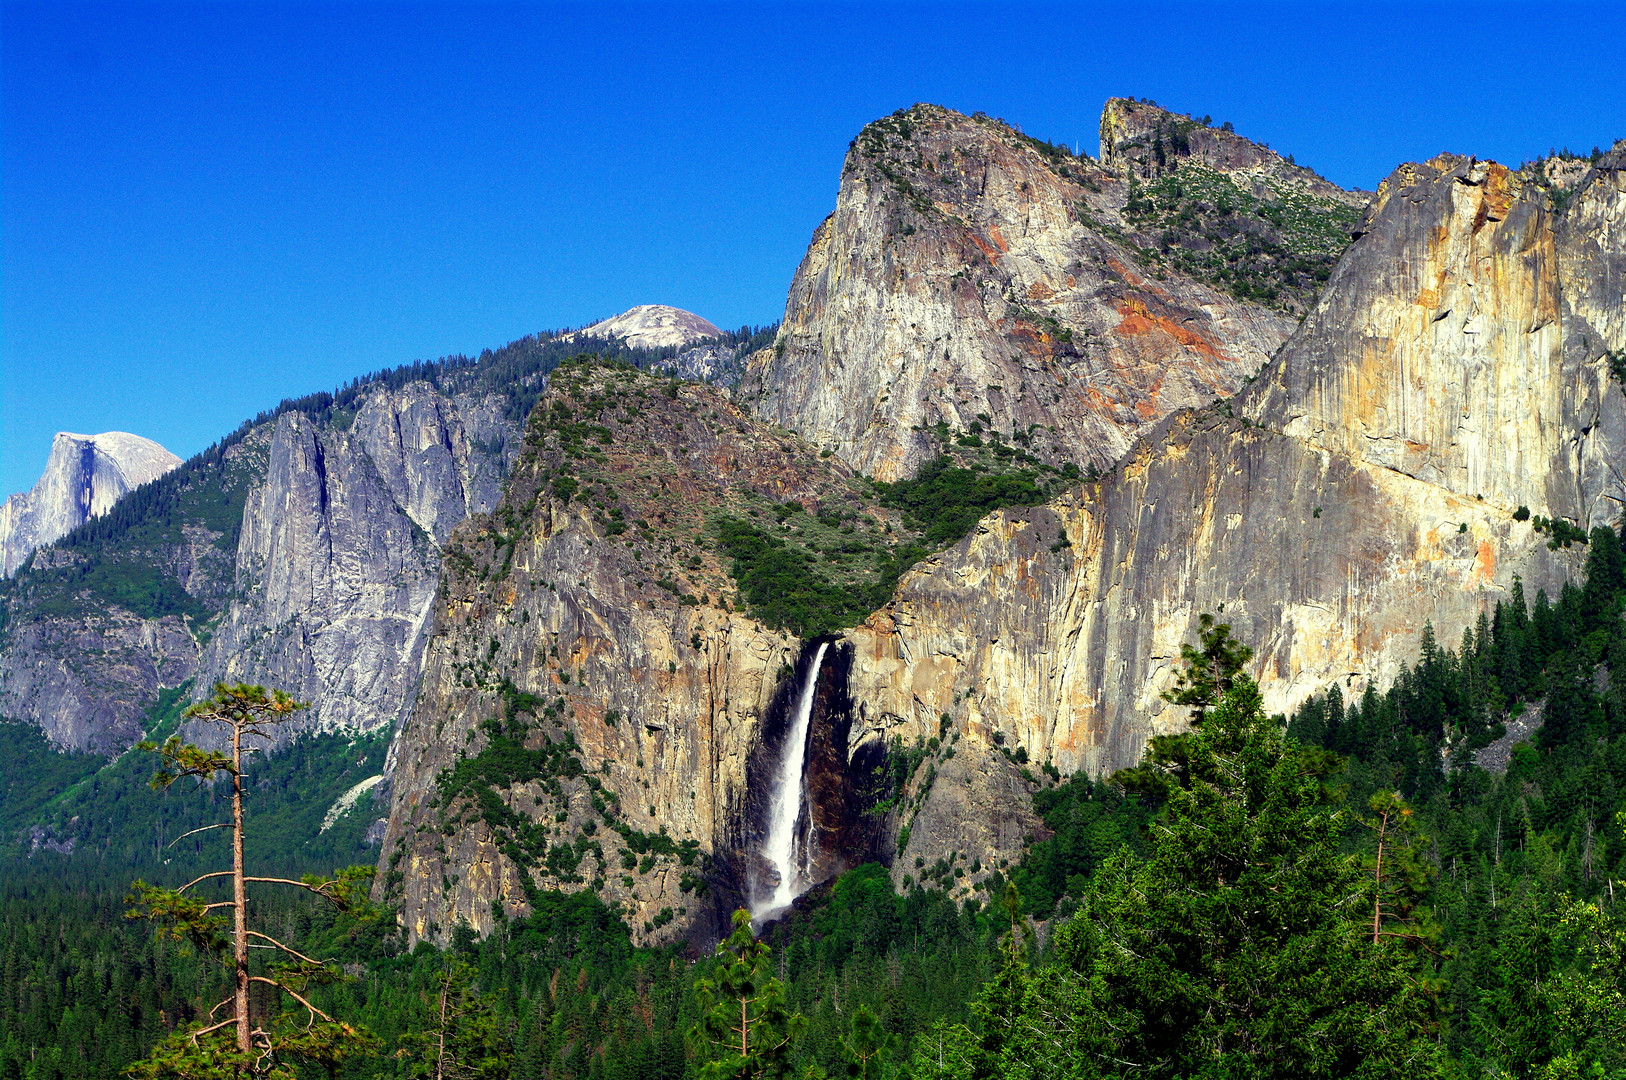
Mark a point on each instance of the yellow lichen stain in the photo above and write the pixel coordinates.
(1498, 195)
(1429, 549)
(1428, 298)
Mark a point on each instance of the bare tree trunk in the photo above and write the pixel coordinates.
(1377, 892)
(440, 1054)
(239, 893)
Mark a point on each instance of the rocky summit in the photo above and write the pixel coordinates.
(84, 476)
(973, 278)
(653, 326)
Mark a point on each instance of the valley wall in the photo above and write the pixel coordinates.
(1365, 485)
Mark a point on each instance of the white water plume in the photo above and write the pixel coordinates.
(785, 803)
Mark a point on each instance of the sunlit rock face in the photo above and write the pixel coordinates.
(595, 594)
(1455, 369)
(84, 476)
(652, 326)
(972, 276)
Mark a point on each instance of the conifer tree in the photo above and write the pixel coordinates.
(464, 1039)
(242, 1045)
(1241, 946)
(746, 1029)
(1211, 671)
(866, 1049)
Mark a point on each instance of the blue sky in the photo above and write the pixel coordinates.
(205, 209)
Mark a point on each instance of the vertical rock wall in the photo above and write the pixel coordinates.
(1371, 489)
(339, 553)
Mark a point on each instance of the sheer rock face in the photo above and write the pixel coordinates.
(84, 476)
(969, 275)
(1328, 527)
(623, 637)
(339, 552)
(87, 682)
(1452, 347)
(325, 593)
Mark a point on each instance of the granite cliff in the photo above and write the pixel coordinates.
(1456, 369)
(974, 278)
(84, 476)
(301, 551)
(595, 704)
(339, 549)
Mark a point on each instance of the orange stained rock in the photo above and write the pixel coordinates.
(1137, 320)
(998, 238)
(987, 249)
(1484, 570)
(881, 623)
(1428, 298)
(1498, 195)
(1128, 275)
(1040, 291)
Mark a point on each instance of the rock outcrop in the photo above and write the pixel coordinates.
(339, 551)
(973, 278)
(1455, 369)
(592, 620)
(1142, 140)
(84, 476)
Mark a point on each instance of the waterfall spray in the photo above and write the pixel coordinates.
(785, 804)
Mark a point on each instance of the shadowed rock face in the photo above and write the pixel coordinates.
(339, 553)
(84, 476)
(972, 275)
(1328, 527)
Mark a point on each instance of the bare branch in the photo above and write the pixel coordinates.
(319, 890)
(206, 828)
(286, 949)
(205, 877)
(291, 993)
(214, 1027)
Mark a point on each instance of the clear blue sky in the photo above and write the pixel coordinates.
(208, 208)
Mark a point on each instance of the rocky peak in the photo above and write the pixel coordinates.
(974, 275)
(652, 326)
(84, 476)
(1140, 139)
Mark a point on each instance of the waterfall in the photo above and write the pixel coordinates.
(785, 804)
